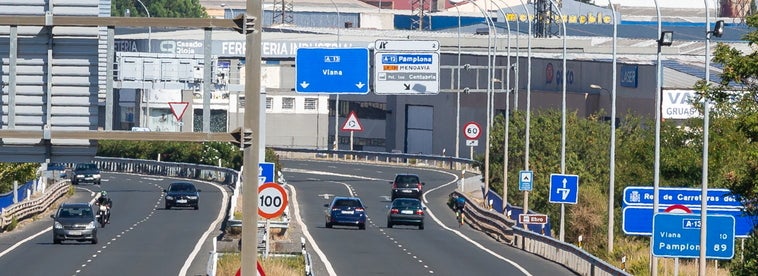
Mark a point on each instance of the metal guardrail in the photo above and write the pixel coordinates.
(31, 207)
(448, 162)
(502, 229)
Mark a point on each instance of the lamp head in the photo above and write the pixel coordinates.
(456, 2)
(595, 86)
(667, 38)
(718, 31)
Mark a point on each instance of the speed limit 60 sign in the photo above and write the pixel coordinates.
(272, 200)
(472, 130)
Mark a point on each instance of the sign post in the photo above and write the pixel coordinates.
(526, 178)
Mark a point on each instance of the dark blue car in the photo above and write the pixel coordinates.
(182, 194)
(348, 211)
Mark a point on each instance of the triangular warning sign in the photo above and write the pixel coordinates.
(352, 123)
(178, 109)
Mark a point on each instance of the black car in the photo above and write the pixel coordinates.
(86, 173)
(74, 221)
(406, 211)
(347, 211)
(407, 185)
(182, 194)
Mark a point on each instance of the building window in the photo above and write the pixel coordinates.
(269, 103)
(288, 103)
(311, 103)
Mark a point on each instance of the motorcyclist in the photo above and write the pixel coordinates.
(105, 203)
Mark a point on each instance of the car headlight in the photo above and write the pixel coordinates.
(192, 197)
(96, 175)
(169, 197)
(57, 225)
(91, 225)
(80, 175)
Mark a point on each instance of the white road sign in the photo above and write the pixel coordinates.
(472, 130)
(405, 67)
(407, 45)
(272, 200)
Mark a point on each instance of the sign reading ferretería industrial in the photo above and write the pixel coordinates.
(338, 71)
(406, 67)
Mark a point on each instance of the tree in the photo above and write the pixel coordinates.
(159, 8)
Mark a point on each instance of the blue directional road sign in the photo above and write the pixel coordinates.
(690, 197)
(638, 220)
(526, 178)
(678, 236)
(332, 71)
(564, 188)
(265, 173)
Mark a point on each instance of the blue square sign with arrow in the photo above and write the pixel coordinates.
(564, 188)
(525, 180)
(332, 70)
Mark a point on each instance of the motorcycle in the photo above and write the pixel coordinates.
(102, 215)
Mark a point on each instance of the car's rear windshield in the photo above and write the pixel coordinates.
(74, 212)
(405, 181)
(406, 203)
(182, 188)
(347, 203)
(86, 166)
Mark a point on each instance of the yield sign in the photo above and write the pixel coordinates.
(352, 123)
(178, 109)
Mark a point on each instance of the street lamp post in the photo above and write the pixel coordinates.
(515, 67)
(718, 31)
(337, 97)
(612, 175)
(563, 120)
(506, 120)
(491, 64)
(664, 40)
(149, 28)
(528, 100)
(457, 87)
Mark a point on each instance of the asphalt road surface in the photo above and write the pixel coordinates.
(442, 248)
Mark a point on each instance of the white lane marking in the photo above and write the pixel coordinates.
(455, 181)
(22, 242)
(43, 231)
(307, 234)
(522, 269)
(212, 227)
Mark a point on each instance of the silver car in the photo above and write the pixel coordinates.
(74, 221)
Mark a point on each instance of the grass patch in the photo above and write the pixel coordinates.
(228, 264)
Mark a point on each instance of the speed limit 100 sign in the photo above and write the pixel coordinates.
(272, 200)
(472, 130)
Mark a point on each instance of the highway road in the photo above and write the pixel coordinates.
(442, 248)
(142, 239)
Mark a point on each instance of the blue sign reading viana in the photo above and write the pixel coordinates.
(332, 70)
